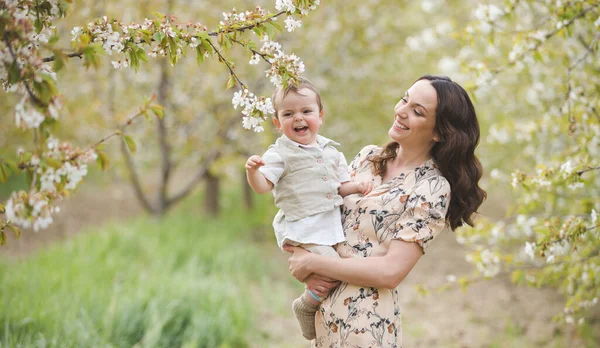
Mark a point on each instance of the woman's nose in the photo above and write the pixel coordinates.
(400, 112)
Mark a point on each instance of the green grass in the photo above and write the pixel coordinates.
(178, 282)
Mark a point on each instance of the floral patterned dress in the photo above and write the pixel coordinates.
(410, 207)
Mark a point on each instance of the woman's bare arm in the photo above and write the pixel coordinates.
(380, 272)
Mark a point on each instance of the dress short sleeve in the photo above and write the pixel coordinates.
(424, 216)
(360, 162)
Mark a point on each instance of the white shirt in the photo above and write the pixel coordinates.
(322, 228)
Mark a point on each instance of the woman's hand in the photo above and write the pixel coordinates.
(298, 262)
(321, 285)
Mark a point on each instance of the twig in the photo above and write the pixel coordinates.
(33, 97)
(580, 172)
(262, 55)
(251, 26)
(227, 64)
(70, 55)
(589, 49)
(117, 132)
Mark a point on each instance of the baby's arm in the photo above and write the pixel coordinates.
(350, 187)
(257, 181)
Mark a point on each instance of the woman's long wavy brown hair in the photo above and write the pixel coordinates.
(458, 129)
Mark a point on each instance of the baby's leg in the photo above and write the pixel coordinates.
(305, 307)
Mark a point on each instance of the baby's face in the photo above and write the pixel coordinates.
(298, 116)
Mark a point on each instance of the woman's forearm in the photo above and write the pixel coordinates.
(385, 271)
(359, 271)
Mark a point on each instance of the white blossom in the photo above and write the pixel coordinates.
(255, 59)
(529, 250)
(291, 24)
(285, 5)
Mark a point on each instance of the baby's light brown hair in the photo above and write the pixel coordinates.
(302, 83)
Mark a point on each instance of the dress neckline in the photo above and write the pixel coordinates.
(406, 172)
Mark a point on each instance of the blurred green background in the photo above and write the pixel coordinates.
(206, 272)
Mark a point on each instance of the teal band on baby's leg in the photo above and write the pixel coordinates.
(314, 296)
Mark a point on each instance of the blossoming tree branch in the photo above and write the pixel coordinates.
(31, 57)
(536, 65)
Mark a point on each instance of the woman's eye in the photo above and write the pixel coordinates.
(418, 113)
(404, 100)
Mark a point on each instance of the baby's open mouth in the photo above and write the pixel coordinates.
(300, 129)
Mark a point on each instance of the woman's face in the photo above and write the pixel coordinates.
(414, 117)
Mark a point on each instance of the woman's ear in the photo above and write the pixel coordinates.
(436, 138)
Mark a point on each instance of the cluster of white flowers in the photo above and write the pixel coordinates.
(285, 5)
(256, 109)
(269, 47)
(487, 14)
(488, 263)
(27, 116)
(103, 32)
(233, 17)
(529, 250)
(557, 249)
(282, 64)
(35, 209)
(31, 210)
(498, 134)
(291, 24)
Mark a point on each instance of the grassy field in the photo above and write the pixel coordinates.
(193, 281)
(182, 281)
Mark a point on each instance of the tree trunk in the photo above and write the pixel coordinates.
(212, 190)
(247, 192)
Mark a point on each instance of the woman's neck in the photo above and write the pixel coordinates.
(406, 160)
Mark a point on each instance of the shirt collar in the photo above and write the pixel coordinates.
(321, 142)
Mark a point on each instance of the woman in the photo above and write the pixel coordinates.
(425, 180)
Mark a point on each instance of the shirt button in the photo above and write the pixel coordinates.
(329, 196)
(319, 160)
(324, 178)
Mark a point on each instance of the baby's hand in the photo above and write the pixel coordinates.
(254, 162)
(365, 187)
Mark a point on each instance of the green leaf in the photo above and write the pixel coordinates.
(158, 15)
(517, 276)
(276, 25)
(102, 160)
(38, 26)
(53, 162)
(59, 60)
(158, 110)
(13, 73)
(12, 165)
(200, 57)
(16, 230)
(141, 54)
(158, 36)
(231, 82)
(3, 174)
(130, 143)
